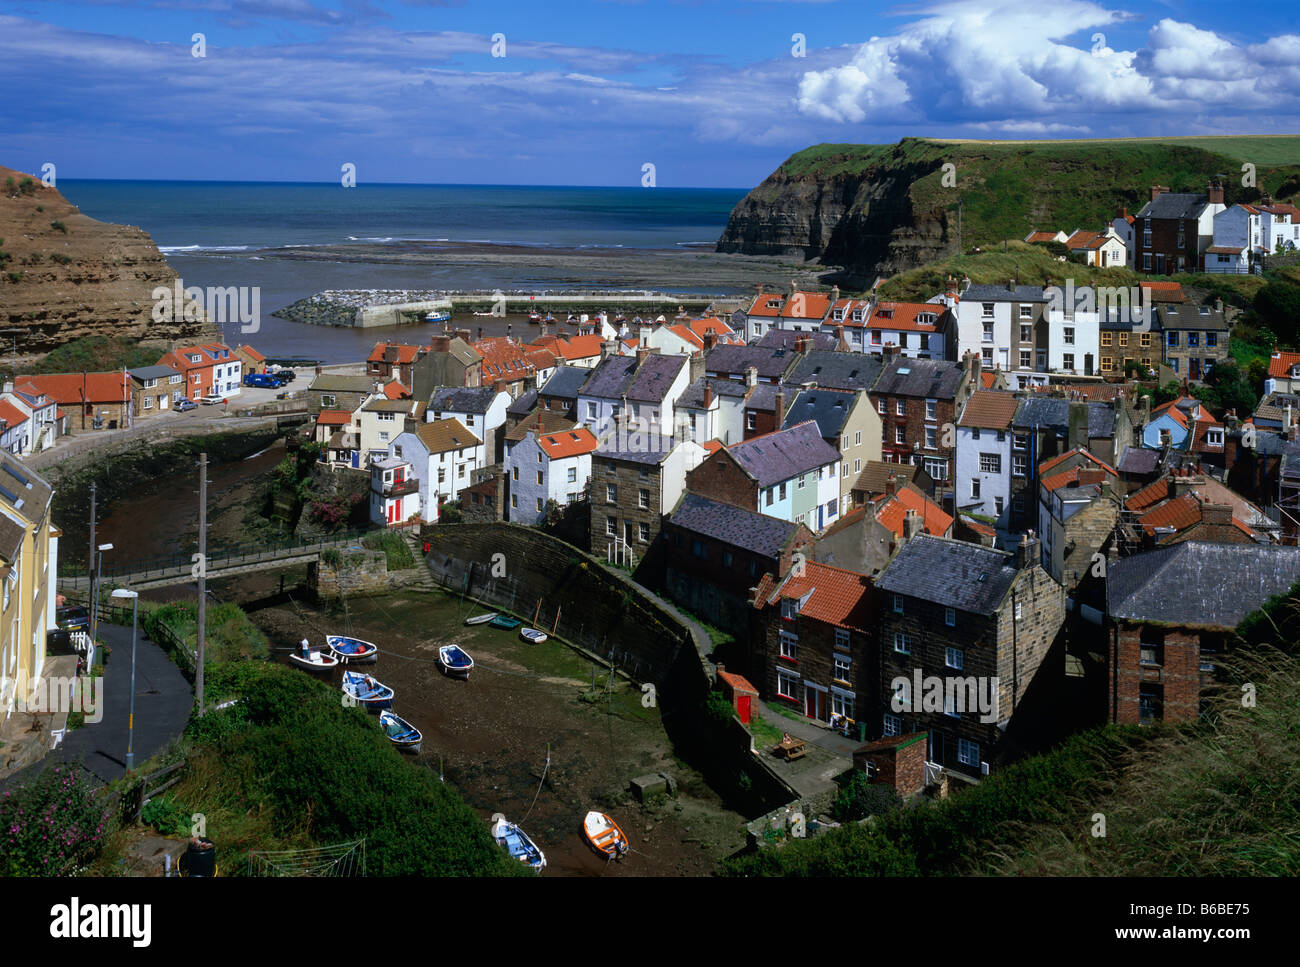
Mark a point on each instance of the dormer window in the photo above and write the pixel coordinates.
(789, 608)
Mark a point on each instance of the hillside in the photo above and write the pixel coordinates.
(882, 209)
(65, 276)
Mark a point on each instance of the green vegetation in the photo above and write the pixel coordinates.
(861, 798)
(229, 635)
(61, 258)
(96, 354)
(765, 734)
(53, 825)
(167, 815)
(58, 226)
(396, 550)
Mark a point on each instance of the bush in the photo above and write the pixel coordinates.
(58, 226)
(166, 815)
(52, 826)
(862, 798)
(396, 551)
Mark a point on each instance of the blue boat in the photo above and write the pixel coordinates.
(400, 732)
(517, 843)
(367, 692)
(438, 315)
(352, 651)
(455, 661)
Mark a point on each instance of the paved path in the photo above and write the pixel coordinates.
(163, 700)
(828, 755)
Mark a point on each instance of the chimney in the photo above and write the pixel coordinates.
(710, 340)
(1078, 430)
(708, 395)
(1027, 551)
(1144, 409)
(835, 295)
(950, 287)
(1011, 285)
(751, 377)
(608, 348)
(971, 363)
(642, 351)
(1157, 191)
(891, 349)
(439, 343)
(1166, 439)
(643, 335)
(1216, 514)
(870, 516)
(697, 366)
(912, 525)
(891, 485)
(1123, 211)
(1214, 193)
(1183, 484)
(778, 407)
(801, 345)
(499, 386)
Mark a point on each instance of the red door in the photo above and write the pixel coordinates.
(814, 702)
(742, 706)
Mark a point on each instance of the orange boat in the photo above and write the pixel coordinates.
(604, 834)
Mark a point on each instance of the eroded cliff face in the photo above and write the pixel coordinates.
(67, 275)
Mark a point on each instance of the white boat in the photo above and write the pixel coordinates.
(533, 636)
(455, 661)
(400, 732)
(314, 661)
(604, 835)
(481, 619)
(518, 844)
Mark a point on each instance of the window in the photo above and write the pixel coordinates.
(611, 528)
(900, 408)
(1150, 703)
(750, 421)
(936, 468)
(789, 646)
(950, 617)
(539, 505)
(881, 407)
(591, 411)
(902, 643)
(975, 433)
(786, 683)
(893, 724)
(1026, 359)
(789, 608)
(1069, 335)
(1144, 340)
(857, 466)
(857, 438)
(898, 604)
(950, 705)
(968, 752)
(643, 499)
(900, 435)
(803, 479)
(325, 401)
(930, 437)
(987, 309)
(1193, 339)
(781, 489)
(1107, 338)
(726, 555)
(1172, 338)
(990, 463)
(842, 703)
(1107, 364)
(1173, 364)
(514, 473)
(842, 639)
(842, 663)
(975, 488)
(997, 506)
(539, 456)
(611, 493)
(148, 402)
(1026, 311)
(1019, 465)
(514, 501)
(770, 492)
(1026, 334)
(645, 537)
(1019, 612)
(573, 475)
(1067, 361)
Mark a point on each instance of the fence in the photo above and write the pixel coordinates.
(131, 803)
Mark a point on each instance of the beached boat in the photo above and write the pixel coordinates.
(314, 661)
(518, 844)
(481, 619)
(506, 622)
(454, 661)
(367, 692)
(604, 834)
(532, 635)
(352, 651)
(400, 732)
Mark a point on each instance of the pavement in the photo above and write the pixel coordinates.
(828, 754)
(163, 701)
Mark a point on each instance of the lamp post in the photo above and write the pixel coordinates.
(134, 597)
(94, 592)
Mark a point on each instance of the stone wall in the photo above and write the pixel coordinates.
(356, 574)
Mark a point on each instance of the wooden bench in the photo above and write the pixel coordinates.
(791, 750)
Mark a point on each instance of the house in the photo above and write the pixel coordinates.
(1173, 230)
(547, 467)
(559, 393)
(635, 480)
(1195, 339)
(985, 461)
(790, 474)
(838, 370)
(329, 391)
(768, 363)
(975, 628)
(916, 400)
(1078, 508)
(797, 310)
(1104, 249)
(716, 552)
(340, 436)
(15, 428)
(848, 422)
(511, 364)
(91, 401)
(392, 360)
(380, 420)
(867, 537)
(1004, 325)
(443, 456)
(250, 359)
(480, 409)
(29, 566)
(210, 369)
(1187, 506)
(1283, 373)
(714, 409)
(154, 389)
(1245, 235)
(879, 477)
(814, 641)
(645, 388)
(1040, 237)
(43, 419)
(395, 493)
(579, 351)
(921, 330)
(846, 322)
(790, 341)
(1184, 425)
(1127, 339)
(1122, 226)
(1171, 614)
(450, 361)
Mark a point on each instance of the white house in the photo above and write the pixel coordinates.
(712, 409)
(379, 422)
(480, 409)
(1073, 341)
(918, 329)
(984, 458)
(394, 492)
(553, 466)
(646, 387)
(444, 456)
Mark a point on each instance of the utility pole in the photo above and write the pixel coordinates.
(203, 573)
(959, 228)
(91, 575)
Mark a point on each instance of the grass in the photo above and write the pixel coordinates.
(765, 734)
(396, 551)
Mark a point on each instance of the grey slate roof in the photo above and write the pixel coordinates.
(786, 453)
(763, 396)
(1192, 317)
(745, 529)
(610, 378)
(1199, 583)
(334, 383)
(524, 404)
(968, 577)
(837, 370)
(770, 363)
(462, 399)
(11, 539)
(1003, 293)
(654, 378)
(636, 447)
(1139, 460)
(152, 372)
(1173, 204)
(1050, 412)
(566, 382)
(31, 490)
(693, 396)
(924, 378)
(828, 408)
(786, 338)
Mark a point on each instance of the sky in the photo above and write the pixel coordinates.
(711, 93)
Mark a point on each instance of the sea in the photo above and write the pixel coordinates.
(218, 234)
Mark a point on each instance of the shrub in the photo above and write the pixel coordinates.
(862, 798)
(53, 825)
(15, 276)
(166, 815)
(58, 226)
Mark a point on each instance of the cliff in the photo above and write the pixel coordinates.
(64, 275)
(881, 209)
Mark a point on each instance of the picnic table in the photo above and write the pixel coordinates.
(791, 748)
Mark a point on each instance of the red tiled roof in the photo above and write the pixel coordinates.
(738, 682)
(813, 305)
(1047, 465)
(1040, 237)
(1178, 513)
(989, 409)
(713, 446)
(1280, 363)
(1075, 476)
(1080, 239)
(333, 418)
(395, 390)
(78, 388)
(572, 347)
(502, 358)
(702, 327)
(839, 597)
(979, 527)
(892, 509)
(902, 316)
(401, 353)
(688, 335)
(1226, 249)
(10, 415)
(988, 377)
(568, 443)
(251, 353)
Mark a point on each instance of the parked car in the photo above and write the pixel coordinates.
(288, 375)
(72, 618)
(212, 400)
(185, 405)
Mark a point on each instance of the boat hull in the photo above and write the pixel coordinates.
(481, 619)
(455, 662)
(373, 696)
(533, 636)
(518, 844)
(352, 651)
(317, 663)
(398, 732)
(509, 624)
(603, 834)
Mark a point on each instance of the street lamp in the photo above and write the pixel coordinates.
(124, 594)
(94, 592)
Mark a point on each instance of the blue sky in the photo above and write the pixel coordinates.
(711, 92)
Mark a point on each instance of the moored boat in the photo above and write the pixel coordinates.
(532, 635)
(455, 661)
(439, 315)
(314, 661)
(518, 844)
(400, 732)
(352, 651)
(481, 619)
(506, 622)
(604, 834)
(367, 692)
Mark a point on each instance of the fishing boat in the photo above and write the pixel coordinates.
(604, 834)
(439, 315)
(518, 844)
(400, 732)
(535, 318)
(506, 622)
(314, 661)
(454, 661)
(352, 651)
(532, 635)
(481, 619)
(367, 692)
